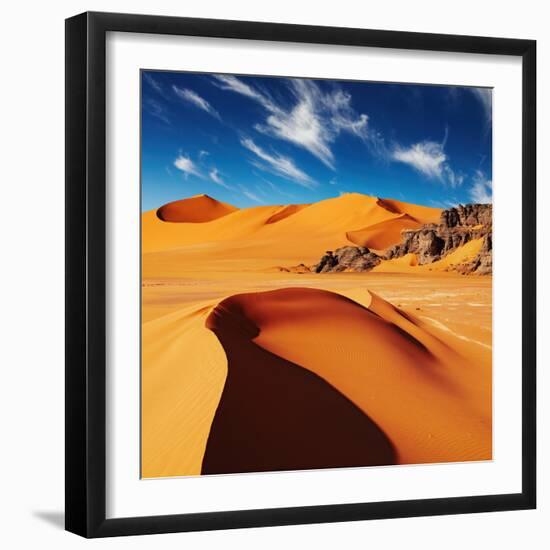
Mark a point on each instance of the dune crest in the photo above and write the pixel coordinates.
(197, 209)
(326, 223)
(285, 212)
(383, 234)
(374, 356)
(275, 415)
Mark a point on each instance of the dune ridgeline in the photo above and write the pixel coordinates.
(310, 369)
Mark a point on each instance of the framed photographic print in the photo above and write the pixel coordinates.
(300, 274)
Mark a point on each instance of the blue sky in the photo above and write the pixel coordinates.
(263, 140)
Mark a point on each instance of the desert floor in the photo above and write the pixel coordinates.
(461, 304)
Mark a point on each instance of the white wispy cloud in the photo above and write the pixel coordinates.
(485, 97)
(195, 99)
(252, 196)
(313, 120)
(282, 166)
(156, 109)
(154, 83)
(229, 82)
(216, 177)
(274, 187)
(429, 158)
(482, 189)
(448, 203)
(187, 166)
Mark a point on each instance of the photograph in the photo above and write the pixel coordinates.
(316, 274)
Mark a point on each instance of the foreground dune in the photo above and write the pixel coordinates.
(304, 378)
(275, 415)
(183, 372)
(416, 388)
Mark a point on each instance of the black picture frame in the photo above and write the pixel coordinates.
(86, 274)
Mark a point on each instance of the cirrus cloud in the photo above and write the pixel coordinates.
(195, 99)
(482, 188)
(187, 166)
(429, 159)
(280, 165)
(216, 177)
(485, 98)
(313, 120)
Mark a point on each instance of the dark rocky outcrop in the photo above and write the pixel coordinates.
(429, 243)
(457, 227)
(482, 264)
(347, 258)
(468, 215)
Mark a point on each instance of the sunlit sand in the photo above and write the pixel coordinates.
(248, 366)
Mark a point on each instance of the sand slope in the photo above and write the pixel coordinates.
(383, 234)
(183, 373)
(424, 393)
(275, 415)
(428, 401)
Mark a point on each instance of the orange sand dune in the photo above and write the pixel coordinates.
(197, 209)
(424, 214)
(275, 415)
(285, 212)
(325, 224)
(183, 373)
(431, 403)
(158, 235)
(383, 234)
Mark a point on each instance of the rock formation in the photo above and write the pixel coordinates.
(347, 258)
(429, 243)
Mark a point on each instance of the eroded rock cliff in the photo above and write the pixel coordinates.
(430, 243)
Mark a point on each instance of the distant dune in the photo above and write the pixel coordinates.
(383, 234)
(266, 236)
(197, 209)
(285, 212)
(423, 214)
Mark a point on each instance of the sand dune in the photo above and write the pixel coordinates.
(424, 393)
(275, 415)
(197, 209)
(183, 373)
(285, 212)
(424, 214)
(408, 381)
(326, 223)
(383, 234)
